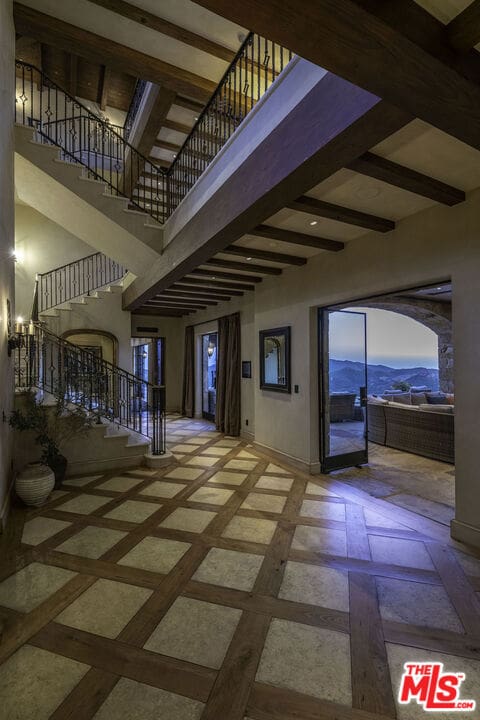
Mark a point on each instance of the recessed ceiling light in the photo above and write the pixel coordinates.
(213, 277)
(314, 222)
(195, 118)
(248, 258)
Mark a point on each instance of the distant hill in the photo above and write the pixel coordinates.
(347, 376)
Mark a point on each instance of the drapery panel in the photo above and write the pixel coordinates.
(188, 393)
(227, 414)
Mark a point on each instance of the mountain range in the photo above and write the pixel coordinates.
(348, 376)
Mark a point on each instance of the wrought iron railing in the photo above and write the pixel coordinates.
(254, 68)
(83, 138)
(75, 279)
(61, 120)
(134, 107)
(47, 362)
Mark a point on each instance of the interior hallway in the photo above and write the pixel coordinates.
(224, 587)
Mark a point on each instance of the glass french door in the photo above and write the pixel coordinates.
(343, 389)
(209, 375)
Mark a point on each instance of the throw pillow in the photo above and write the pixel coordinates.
(436, 398)
(450, 399)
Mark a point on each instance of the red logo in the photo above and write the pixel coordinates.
(430, 686)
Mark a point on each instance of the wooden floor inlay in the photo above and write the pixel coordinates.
(226, 591)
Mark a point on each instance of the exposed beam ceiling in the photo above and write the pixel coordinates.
(104, 86)
(264, 255)
(211, 291)
(231, 277)
(149, 20)
(296, 238)
(387, 171)
(174, 295)
(333, 124)
(192, 293)
(235, 265)
(72, 74)
(464, 30)
(199, 279)
(420, 76)
(312, 206)
(98, 49)
(178, 304)
(161, 312)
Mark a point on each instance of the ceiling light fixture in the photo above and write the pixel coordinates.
(248, 258)
(314, 222)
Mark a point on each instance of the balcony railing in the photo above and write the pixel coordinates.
(253, 70)
(75, 279)
(61, 120)
(83, 138)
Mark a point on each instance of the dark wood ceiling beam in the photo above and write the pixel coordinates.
(227, 286)
(160, 312)
(402, 177)
(319, 208)
(232, 277)
(98, 49)
(464, 30)
(173, 304)
(105, 76)
(188, 104)
(248, 267)
(72, 74)
(178, 127)
(333, 123)
(264, 255)
(212, 291)
(154, 22)
(174, 295)
(296, 238)
(416, 75)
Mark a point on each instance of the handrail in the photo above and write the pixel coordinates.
(75, 279)
(127, 172)
(88, 140)
(254, 68)
(47, 362)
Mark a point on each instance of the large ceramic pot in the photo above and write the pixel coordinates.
(34, 484)
(59, 466)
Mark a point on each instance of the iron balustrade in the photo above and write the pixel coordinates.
(51, 364)
(134, 107)
(62, 121)
(253, 70)
(76, 279)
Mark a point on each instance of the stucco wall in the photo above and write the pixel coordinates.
(437, 244)
(7, 94)
(42, 245)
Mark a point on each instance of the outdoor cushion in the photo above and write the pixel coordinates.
(402, 397)
(448, 409)
(437, 398)
(419, 398)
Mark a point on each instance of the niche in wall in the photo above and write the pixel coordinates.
(103, 344)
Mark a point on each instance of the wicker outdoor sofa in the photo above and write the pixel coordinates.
(413, 430)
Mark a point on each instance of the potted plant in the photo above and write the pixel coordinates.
(53, 424)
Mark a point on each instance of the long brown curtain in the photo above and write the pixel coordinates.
(227, 414)
(188, 393)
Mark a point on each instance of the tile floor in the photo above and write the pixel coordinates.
(226, 587)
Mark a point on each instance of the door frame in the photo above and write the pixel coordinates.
(206, 415)
(359, 457)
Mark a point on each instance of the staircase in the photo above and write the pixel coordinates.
(130, 411)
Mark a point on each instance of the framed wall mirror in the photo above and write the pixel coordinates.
(275, 360)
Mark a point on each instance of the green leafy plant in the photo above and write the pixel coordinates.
(54, 424)
(401, 385)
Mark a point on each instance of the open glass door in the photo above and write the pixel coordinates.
(343, 389)
(209, 367)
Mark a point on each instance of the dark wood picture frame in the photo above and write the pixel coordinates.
(286, 385)
(246, 369)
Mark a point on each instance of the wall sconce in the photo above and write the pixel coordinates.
(17, 339)
(210, 349)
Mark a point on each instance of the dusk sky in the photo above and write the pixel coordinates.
(392, 339)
